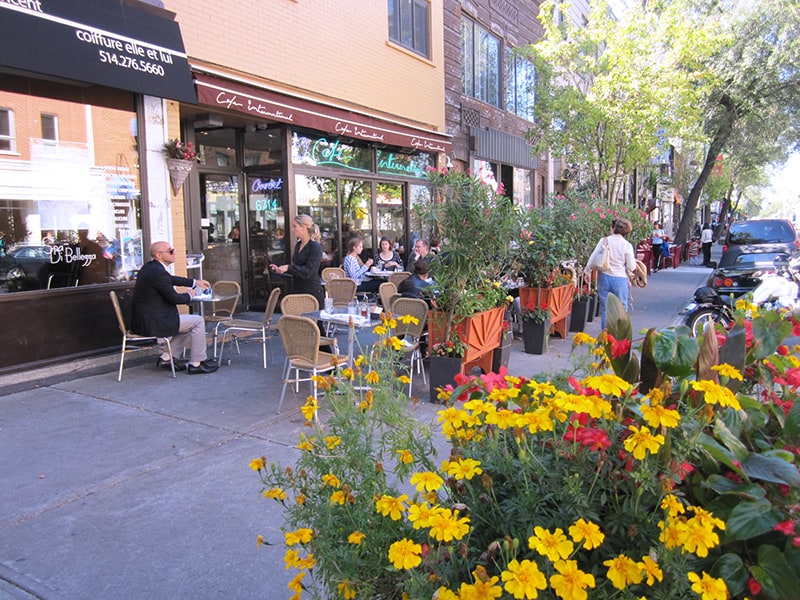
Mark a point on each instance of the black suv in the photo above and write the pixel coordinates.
(769, 235)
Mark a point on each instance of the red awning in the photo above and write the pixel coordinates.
(273, 106)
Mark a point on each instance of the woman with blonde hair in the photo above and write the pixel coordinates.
(306, 258)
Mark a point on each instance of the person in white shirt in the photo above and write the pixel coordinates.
(621, 260)
(356, 269)
(706, 239)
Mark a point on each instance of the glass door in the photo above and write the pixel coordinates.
(356, 199)
(266, 235)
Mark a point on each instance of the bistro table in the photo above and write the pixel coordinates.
(379, 274)
(342, 317)
(200, 300)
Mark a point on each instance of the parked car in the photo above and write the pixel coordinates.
(741, 267)
(25, 268)
(773, 235)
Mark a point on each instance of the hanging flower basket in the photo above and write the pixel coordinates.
(178, 172)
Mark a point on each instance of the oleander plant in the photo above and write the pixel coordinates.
(668, 470)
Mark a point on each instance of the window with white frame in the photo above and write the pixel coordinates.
(519, 83)
(8, 142)
(410, 25)
(49, 127)
(480, 53)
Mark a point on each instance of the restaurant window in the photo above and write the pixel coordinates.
(7, 140)
(317, 151)
(409, 25)
(317, 197)
(49, 127)
(73, 215)
(519, 85)
(480, 53)
(216, 147)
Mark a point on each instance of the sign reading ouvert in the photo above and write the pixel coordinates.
(116, 43)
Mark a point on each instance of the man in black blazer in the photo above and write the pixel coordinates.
(155, 310)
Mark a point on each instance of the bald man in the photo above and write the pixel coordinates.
(155, 311)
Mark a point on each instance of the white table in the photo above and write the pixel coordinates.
(341, 317)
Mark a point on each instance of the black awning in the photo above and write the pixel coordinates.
(115, 43)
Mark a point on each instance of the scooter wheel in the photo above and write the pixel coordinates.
(697, 321)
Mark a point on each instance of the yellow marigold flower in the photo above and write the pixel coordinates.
(373, 377)
(259, 539)
(481, 589)
(275, 494)
(672, 534)
(713, 393)
(699, 536)
(705, 517)
(672, 505)
(607, 383)
(300, 499)
(641, 441)
(360, 360)
(291, 558)
(453, 416)
(404, 379)
(651, 570)
(523, 579)
(296, 583)
(569, 581)
(464, 468)
(538, 420)
(332, 441)
(542, 388)
(309, 408)
(395, 342)
(406, 319)
(405, 554)
(587, 532)
(445, 594)
(623, 571)
(338, 497)
(553, 545)
(656, 396)
(355, 538)
(307, 563)
(257, 464)
(405, 457)
(298, 536)
(379, 330)
(346, 589)
(347, 373)
(445, 525)
(709, 588)
(391, 507)
(728, 371)
(420, 514)
(331, 480)
(660, 416)
(583, 338)
(426, 481)
(305, 445)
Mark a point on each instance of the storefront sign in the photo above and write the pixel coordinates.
(67, 254)
(273, 106)
(110, 43)
(407, 165)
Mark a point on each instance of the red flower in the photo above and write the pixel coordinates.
(753, 586)
(619, 347)
(681, 470)
(793, 377)
(796, 329)
(796, 541)
(783, 350)
(785, 527)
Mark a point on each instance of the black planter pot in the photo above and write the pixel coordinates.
(443, 370)
(593, 302)
(535, 336)
(501, 355)
(580, 311)
(597, 307)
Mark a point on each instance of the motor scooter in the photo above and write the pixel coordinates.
(776, 290)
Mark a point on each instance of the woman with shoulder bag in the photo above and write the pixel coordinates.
(613, 258)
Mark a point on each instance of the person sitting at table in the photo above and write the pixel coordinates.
(355, 268)
(421, 250)
(414, 286)
(387, 259)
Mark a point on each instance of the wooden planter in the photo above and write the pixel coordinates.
(481, 334)
(557, 299)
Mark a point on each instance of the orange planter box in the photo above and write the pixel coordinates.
(557, 299)
(481, 333)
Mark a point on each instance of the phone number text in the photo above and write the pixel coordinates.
(128, 62)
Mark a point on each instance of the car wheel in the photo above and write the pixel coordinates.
(706, 316)
(16, 273)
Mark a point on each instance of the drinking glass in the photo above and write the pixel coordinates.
(329, 305)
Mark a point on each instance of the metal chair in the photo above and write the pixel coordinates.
(300, 304)
(135, 338)
(397, 278)
(329, 273)
(300, 337)
(411, 333)
(249, 327)
(387, 291)
(222, 310)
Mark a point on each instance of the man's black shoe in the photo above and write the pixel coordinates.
(203, 367)
(164, 364)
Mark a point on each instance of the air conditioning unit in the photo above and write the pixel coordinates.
(208, 120)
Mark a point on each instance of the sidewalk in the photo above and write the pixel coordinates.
(141, 489)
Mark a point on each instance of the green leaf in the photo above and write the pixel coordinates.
(649, 370)
(618, 323)
(738, 450)
(748, 520)
(772, 469)
(730, 567)
(718, 451)
(723, 485)
(792, 426)
(675, 351)
(770, 330)
(784, 579)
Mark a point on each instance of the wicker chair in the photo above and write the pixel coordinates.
(329, 273)
(397, 278)
(222, 311)
(300, 337)
(244, 328)
(134, 338)
(411, 332)
(299, 304)
(342, 290)
(387, 292)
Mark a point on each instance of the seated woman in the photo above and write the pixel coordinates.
(355, 269)
(413, 286)
(387, 259)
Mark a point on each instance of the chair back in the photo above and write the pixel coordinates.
(386, 290)
(272, 303)
(299, 304)
(396, 278)
(329, 273)
(342, 290)
(414, 307)
(300, 337)
(118, 311)
(225, 308)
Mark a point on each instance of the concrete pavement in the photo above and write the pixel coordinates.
(141, 489)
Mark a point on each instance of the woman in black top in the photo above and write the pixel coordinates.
(305, 259)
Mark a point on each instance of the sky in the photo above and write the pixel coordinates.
(782, 198)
